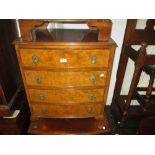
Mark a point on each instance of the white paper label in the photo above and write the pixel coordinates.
(63, 60)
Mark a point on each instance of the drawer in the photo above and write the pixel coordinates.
(64, 79)
(66, 110)
(66, 95)
(64, 58)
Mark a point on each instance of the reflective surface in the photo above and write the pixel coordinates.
(66, 35)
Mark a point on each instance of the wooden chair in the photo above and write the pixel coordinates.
(144, 38)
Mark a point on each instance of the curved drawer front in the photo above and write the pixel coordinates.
(66, 95)
(64, 58)
(64, 79)
(66, 110)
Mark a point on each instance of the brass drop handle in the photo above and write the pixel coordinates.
(91, 96)
(35, 126)
(92, 78)
(44, 110)
(93, 59)
(41, 96)
(35, 59)
(38, 79)
(90, 110)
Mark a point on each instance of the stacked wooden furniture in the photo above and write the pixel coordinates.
(143, 62)
(66, 74)
(14, 111)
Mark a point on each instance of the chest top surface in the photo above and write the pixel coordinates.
(36, 32)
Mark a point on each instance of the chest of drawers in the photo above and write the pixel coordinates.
(65, 79)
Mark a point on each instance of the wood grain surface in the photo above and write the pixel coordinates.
(66, 78)
(72, 111)
(64, 58)
(66, 95)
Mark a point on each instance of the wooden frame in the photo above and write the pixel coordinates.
(133, 36)
(104, 26)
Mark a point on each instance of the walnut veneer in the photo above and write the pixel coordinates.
(65, 79)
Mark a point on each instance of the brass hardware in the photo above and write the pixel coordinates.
(93, 59)
(38, 79)
(35, 126)
(44, 110)
(89, 110)
(92, 78)
(41, 96)
(91, 96)
(35, 59)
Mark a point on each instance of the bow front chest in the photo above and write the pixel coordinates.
(66, 72)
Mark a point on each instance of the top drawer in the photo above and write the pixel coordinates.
(64, 58)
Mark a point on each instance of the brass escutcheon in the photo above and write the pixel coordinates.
(92, 78)
(91, 96)
(41, 96)
(89, 110)
(38, 79)
(35, 59)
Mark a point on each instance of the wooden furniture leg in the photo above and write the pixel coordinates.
(133, 85)
(149, 91)
(119, 77)
(135, 80)
(150, 87)
(131, 24)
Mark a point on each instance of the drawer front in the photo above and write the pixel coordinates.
(66, 110)
(64, 58)
(66, 95)
(63, 79)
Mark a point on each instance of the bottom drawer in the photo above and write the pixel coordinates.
(87, 110)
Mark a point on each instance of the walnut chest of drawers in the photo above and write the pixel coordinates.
(65, 76)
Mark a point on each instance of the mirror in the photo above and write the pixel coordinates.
(60, 32)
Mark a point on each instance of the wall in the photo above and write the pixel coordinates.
(118, 30)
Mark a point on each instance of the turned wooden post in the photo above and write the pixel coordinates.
(139, 63)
